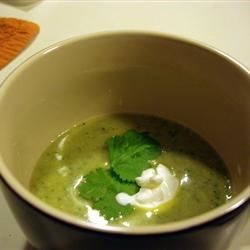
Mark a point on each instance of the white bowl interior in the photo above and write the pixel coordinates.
(81, 78)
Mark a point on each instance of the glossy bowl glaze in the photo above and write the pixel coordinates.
(82, 77)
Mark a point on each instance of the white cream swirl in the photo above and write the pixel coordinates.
(158, 186)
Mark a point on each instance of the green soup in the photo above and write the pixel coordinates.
(203, 180)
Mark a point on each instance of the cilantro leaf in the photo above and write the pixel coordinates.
(100, 187)
(123, 186)
(110, 208)
(129, 153)
(95, 185)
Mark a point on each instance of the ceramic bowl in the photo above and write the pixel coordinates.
(73, 80)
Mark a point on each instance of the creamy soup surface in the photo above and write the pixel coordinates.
(203, 179)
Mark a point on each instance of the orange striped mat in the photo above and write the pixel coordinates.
(15, 35)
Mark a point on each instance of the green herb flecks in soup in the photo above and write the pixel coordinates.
(84, 169)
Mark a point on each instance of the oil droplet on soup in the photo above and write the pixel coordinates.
(204, 182)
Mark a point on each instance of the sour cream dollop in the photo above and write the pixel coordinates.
(157, 186)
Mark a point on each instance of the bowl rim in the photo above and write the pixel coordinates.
(171, 227)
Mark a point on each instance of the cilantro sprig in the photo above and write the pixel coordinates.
(131, 152)
(101, 187)
(129, 155)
